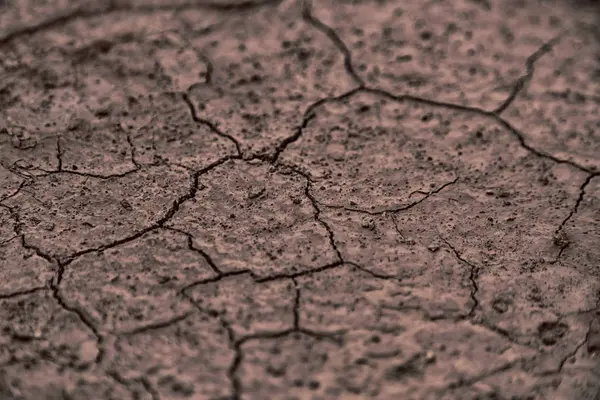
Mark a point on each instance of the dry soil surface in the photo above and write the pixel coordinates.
(349, 199)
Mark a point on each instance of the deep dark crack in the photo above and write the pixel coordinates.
(393, 210)
(61, 171)
(308, 16)
(87, 321)
(217, 278)
(10, 239)
(210, 125)
(158, 224)
(190, 243)
(561, 238)
(538, 153)
(309, 115)
(473, 274)
(577, 202)
(521, 83)
(569, 355)
(315, 205)
(372, 273)
(37, 251)
(114, 7)
(132, 152)
(478, 111)
(59, 154)
(429, 298)
(23, 292)
(301, 273)
(15, 192)
(237, 343)
(157, 325)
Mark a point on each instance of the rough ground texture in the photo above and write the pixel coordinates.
(349, 199)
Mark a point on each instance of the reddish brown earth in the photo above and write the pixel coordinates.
(281, 200)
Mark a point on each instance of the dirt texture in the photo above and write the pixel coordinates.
(279, 199)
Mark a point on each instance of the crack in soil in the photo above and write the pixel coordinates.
(235, 343)
(203, 254)
(317, 214)
(216, 279)
(578, 202)
(495, 114)
(189, 31)
(59, 154)
(149, 388)
(560, 237)
(523, 80)
(158, 224)
(296, 305)
(114, 7)
(156, 325)
(23, 292)
(308, 16)
(85, 174)
(82, 315)
(481, 112)
(372, 273)
(132, 152)
(210, 125)
(394, 210)
(309, 115)
(473, 274)
(571, 354)
(14, 193)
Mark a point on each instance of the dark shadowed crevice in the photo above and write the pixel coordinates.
(561, 238)
(86, 320)
(114, 7)
(523, 80)
(478, 111)
(157, 325)
(133, 152)
(308, 15)
(578, 201)
(317, 211)
(276, 277)
(23, 292)
(568, 356)
(309, 115)
(202, 253)
(158, 224)
(393, 210)
(59, 154)
(215, 279)
(24, 183)
(210, 125)
(473, 275)
(373, 274)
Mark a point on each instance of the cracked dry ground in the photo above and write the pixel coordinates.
(286, 200)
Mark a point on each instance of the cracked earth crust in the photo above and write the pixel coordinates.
(285, 199)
